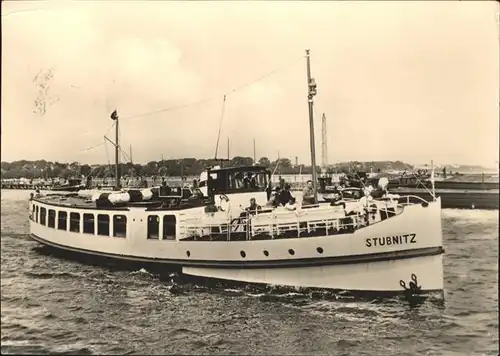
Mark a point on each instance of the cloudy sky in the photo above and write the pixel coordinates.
(405, 80)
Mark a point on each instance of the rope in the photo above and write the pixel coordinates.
(92, 147)
(197, 102)
(220, 126)
(107, 154)
(100, 144)
(124, 155)
(421, 183)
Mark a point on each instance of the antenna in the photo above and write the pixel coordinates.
(220, 127)
(114, 117)
(254, 156)
(311, 84)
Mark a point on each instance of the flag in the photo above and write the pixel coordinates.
(114, 115)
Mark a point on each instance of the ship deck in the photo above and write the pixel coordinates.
(67, 200)
(76, 202)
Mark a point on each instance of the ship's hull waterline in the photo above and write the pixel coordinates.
(377, 278)
(375, 258)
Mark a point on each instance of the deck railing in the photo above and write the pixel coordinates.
(306, 221)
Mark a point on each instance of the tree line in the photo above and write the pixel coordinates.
(176, 167)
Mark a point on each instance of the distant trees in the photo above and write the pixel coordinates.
(264, 161)
(173, 167)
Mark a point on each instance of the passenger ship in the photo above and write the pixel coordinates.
(384, 246)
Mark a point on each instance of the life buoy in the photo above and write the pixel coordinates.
(224, 205)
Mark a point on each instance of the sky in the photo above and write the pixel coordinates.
(412, 81)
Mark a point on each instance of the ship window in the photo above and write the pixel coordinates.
(43, 215)
(51, 222)
(88, 224)
(62, 220)
(103, 224)
(119, 226)
(74, 222)
(153, 227)
(169, 222)
(36, 214)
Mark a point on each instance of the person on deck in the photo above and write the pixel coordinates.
(272, 202)
(337, 200)
(285, 195)
(291, 204)
(164, 188)
(253, 208)
(196, 193)
(269, 190)
(308, 194)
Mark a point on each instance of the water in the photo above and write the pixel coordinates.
(52, 305)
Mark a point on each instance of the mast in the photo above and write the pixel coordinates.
(182, 172)
(114, 116)
(131, 154)
(311, 83)
(254, 156)
(228, 148)
(432, 181)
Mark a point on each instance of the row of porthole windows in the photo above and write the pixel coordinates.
(49, 217)
(103, 223)
(266, 253)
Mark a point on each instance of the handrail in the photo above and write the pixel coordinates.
(412, 196)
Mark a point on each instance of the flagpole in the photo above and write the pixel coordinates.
(432, 181)
(114, 116)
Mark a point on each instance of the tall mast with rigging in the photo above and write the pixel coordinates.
(114, 116)
(254, 156)
(311, 84)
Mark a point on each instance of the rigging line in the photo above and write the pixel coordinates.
(107, 154)
(100, 144)
(125, 155)
(421, 183)
(220, 126)
(112, 125)
(170, 108)
(197, 102)
(263, 77)
(92, 147)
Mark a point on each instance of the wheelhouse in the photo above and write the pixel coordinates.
(236, 180)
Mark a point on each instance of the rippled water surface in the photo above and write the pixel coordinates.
(54, 305)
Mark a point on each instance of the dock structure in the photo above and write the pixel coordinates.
(25, 186)
(457, 198)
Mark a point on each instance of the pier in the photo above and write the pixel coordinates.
(457, 198)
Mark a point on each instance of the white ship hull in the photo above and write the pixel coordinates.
(373, 258)
(378, 277)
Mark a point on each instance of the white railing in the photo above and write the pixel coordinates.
(408, 197)
(274, 224)
(279, 222)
